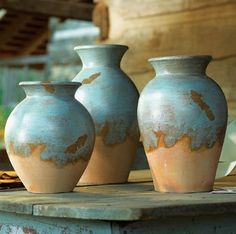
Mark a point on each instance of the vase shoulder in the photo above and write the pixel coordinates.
(183, 105)
(111, 98)
(55, 125)
(112, 77)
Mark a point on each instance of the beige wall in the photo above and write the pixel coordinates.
(153, 28)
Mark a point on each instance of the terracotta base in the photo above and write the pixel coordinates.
(109, 164)
(44, 176)
(178, 169)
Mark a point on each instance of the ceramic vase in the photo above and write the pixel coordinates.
(182, 115)
(111, 98)
(49, 137)
(227, 161)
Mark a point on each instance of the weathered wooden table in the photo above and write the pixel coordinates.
(125, 208)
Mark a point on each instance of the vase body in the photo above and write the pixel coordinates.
(49, 137)
(111, 98)
(182, 115)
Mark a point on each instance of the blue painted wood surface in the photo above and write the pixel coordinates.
(25, 224)
(124, 208)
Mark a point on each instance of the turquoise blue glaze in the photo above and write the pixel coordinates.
(107, 92)
(50, 116)
(182, 101)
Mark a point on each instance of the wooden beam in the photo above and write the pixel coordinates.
(13, 26)
(101, 19)
(22, 25)
(38, 40)
(64, 9)
(25, 60)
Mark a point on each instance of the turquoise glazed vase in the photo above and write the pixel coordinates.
(111, 98)
(49, 137)
(182, 115)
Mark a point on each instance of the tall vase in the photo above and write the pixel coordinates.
(49, 137)
(111, 98)
(182, 115)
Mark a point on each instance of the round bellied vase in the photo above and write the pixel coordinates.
(111, 98)
(182, 115)
(49, 137)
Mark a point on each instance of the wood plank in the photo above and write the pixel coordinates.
(207, 28)
(140, 176)
(147, 204)
(140, 8)
(120, 26)
(155, 28)
(65, 9)
(121, 202)
(212, 28)
(25, 60)
(22, 25)
(101, 19)
(38, 40)
(218, 224)
(15, 223)
(15, 25)
(26, 224)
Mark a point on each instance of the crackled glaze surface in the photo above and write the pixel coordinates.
(181, 103)
(49, 137)
(111, 98)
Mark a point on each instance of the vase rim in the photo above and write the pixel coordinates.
(100, 46)
(57, 83)
(180, 57)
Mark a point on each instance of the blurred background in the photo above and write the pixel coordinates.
(38, 37)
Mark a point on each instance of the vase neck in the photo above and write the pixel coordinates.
(46, 88)
(181, 64)
(101, 55)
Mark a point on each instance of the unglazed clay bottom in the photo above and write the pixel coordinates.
(29, 168)
(109, 164)
(173, 167)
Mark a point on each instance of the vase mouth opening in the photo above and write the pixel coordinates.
(48, 83)
(181, 57)
(84, 47)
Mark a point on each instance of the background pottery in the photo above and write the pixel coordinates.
(111, 98)
(49, 137)
(182, 116)
(227, 162)
(4, 114)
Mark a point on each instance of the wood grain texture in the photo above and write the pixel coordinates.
(101, 19)
(28, 224)
(140, 8)
(68, 9)
(22, 34)
(155, 28)
(15, 223)
(121, 202)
